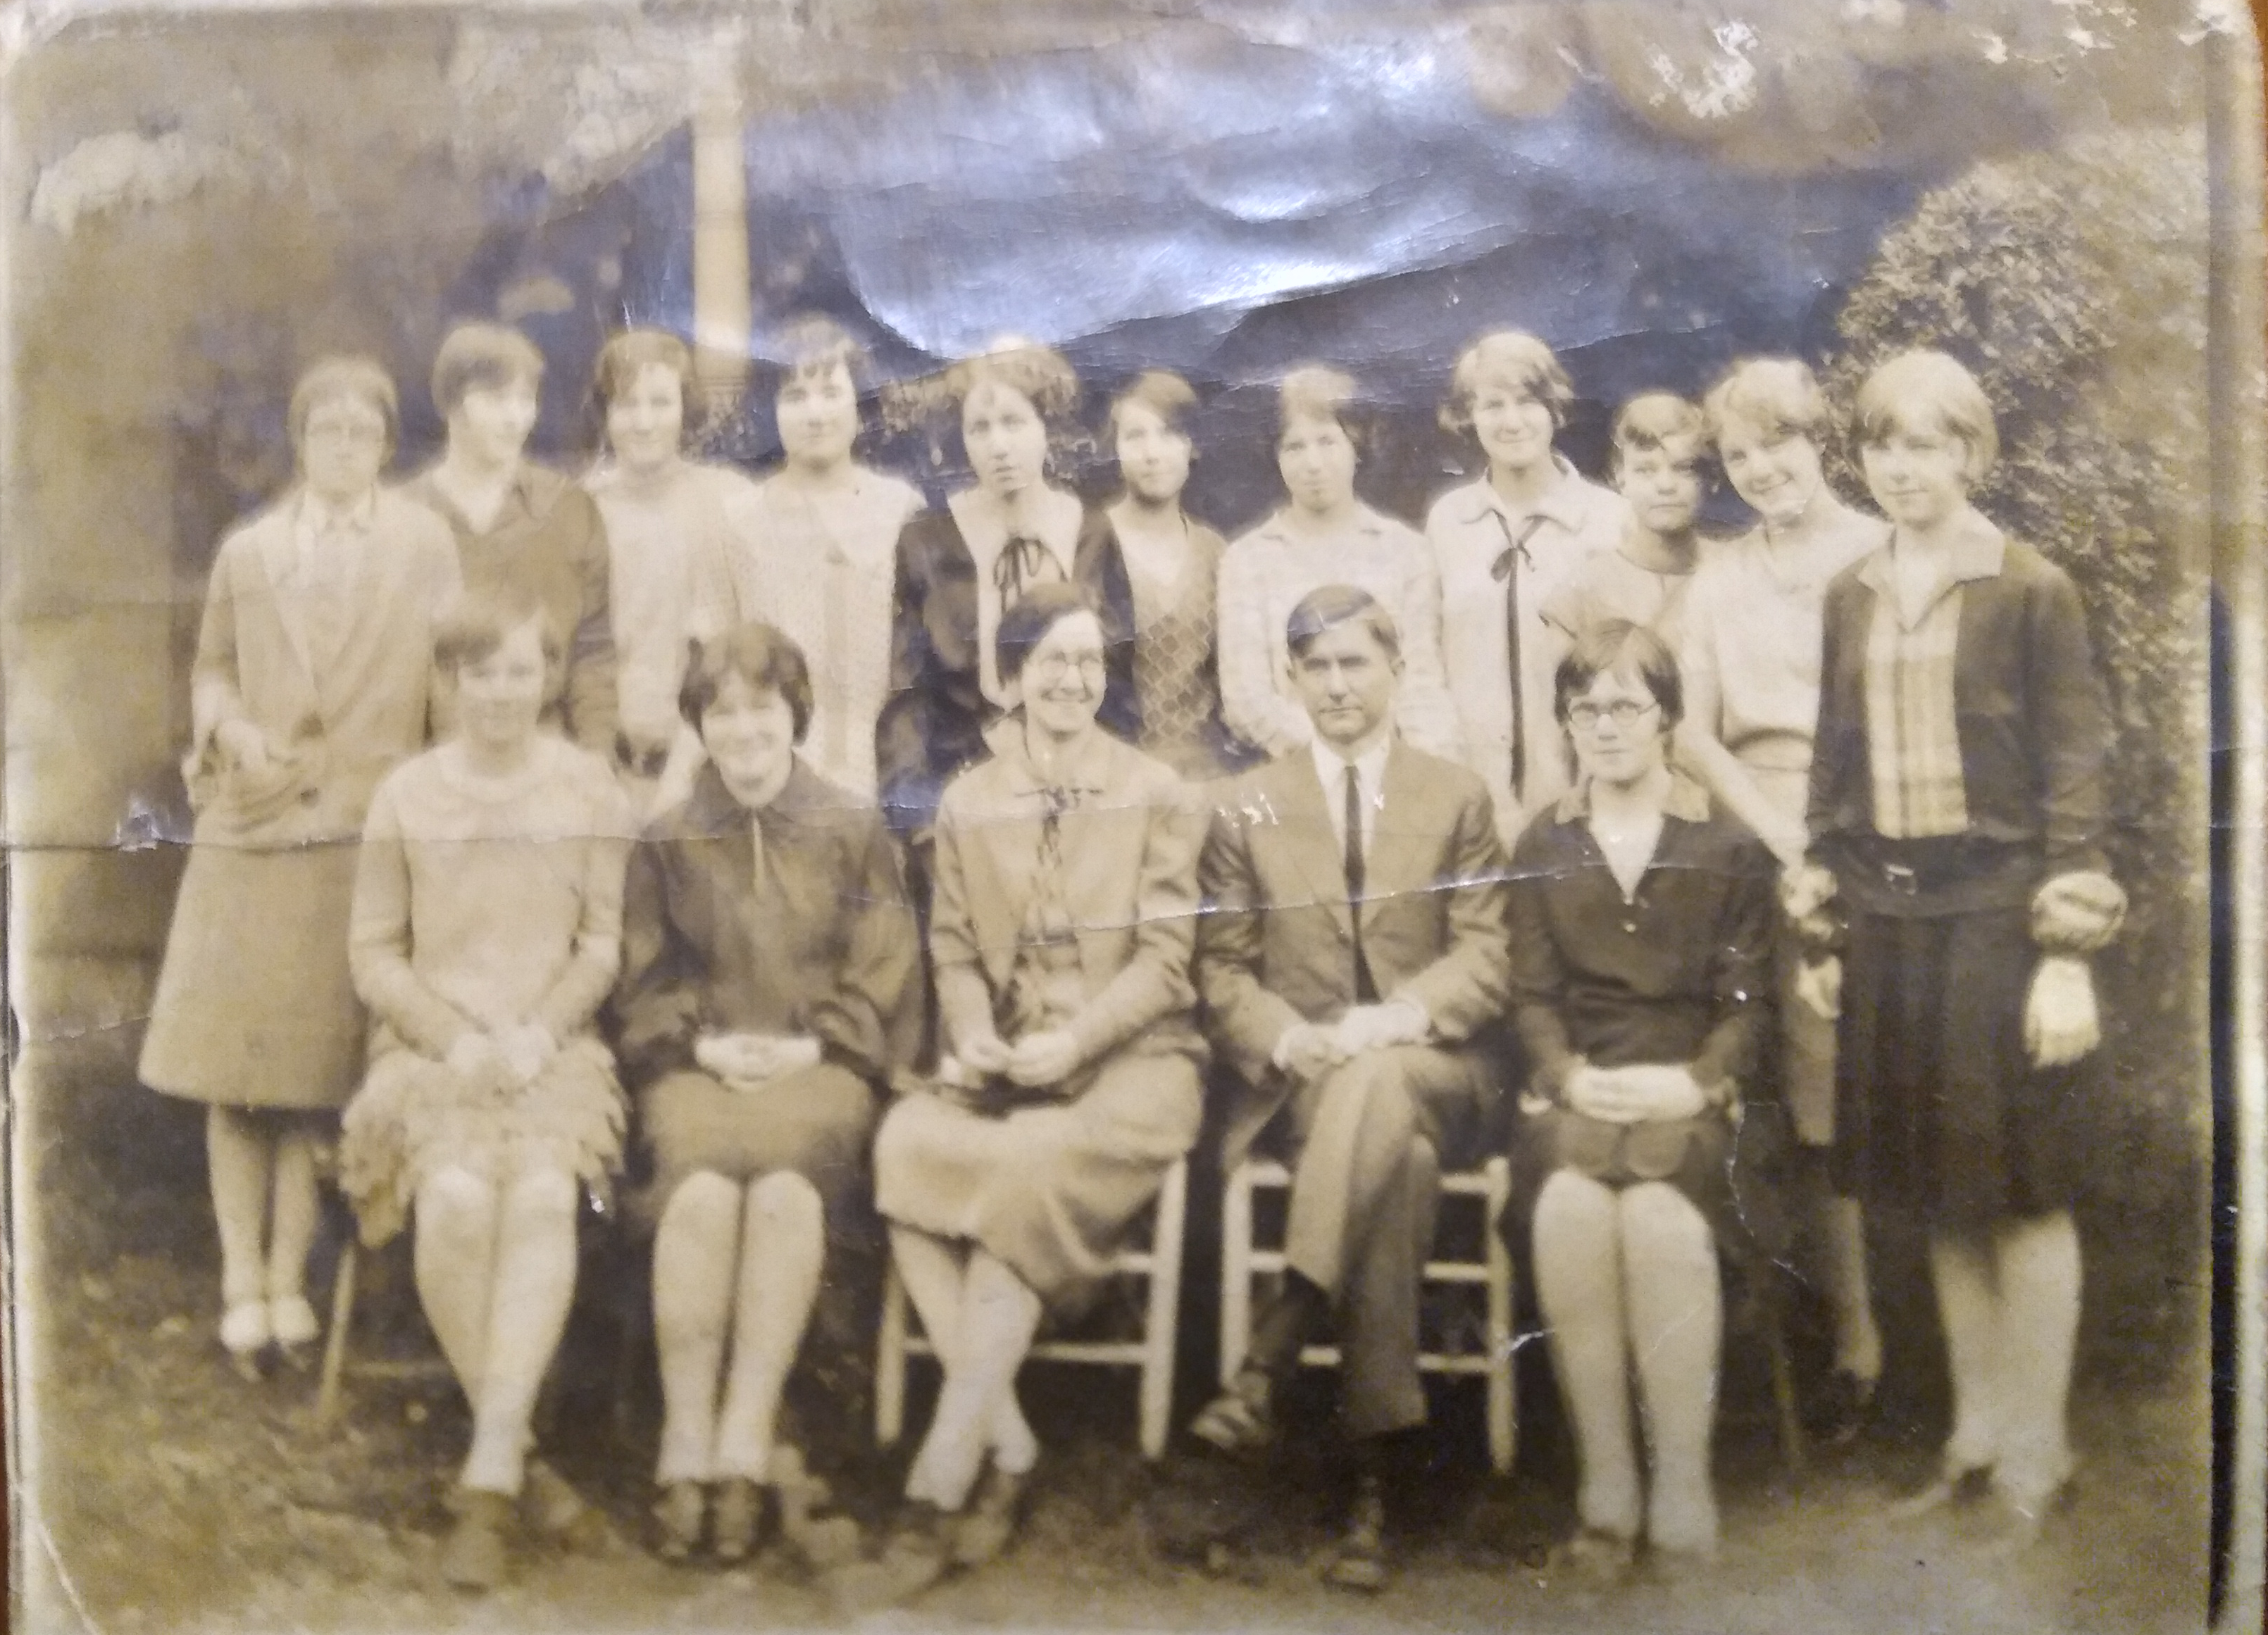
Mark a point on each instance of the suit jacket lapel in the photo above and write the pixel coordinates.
(1399, 862)
(1304, 823)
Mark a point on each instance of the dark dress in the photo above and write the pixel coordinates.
(932, 725)
(824, 945)
(1939, 1108)
(1679, 972)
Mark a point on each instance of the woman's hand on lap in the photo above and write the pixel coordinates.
(1040, 1060)
(983, 1054)
(243, 745)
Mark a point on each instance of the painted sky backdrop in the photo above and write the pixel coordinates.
(1229, 207)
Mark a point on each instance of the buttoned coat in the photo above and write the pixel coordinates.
(1129, 849)
(1275, 933)
(254, 1005)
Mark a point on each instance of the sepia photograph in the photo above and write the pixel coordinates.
(1184, 815)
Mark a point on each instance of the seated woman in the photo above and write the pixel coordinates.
(769, 986)
(1065, 904)
(486, 930)
(1641, 935)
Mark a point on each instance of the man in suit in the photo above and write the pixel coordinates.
(1353, 952)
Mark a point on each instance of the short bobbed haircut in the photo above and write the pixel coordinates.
(1656, 419)
(1164, 393)
(482, 355)
(1514, 361)
(476, 624)
(1330, 607)
(1025, 626)
(810, 346)
(1039, 375)
(1614, 647)
(626, 356)
(1776, 397)
(1927, 390)
(361, 379)
(764, 656)
(1318, 392)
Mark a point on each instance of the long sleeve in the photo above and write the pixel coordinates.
(1113, 593)
(581, 985)
(964, 997)
(1250, 700)
(1839, 739)
(909, 789)
(867, 1021)
(593, 707)
(657, 1001)
(214, 690)
(1538, 977)
(1740, 976)
(378, 940)
(1424, 709)
(2070, 728)
(1246, 1019)
(1154, 983)
(1464, 990)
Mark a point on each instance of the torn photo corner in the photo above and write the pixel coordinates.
(1062, 813)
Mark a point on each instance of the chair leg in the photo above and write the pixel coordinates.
(1235, 1272)
(1782, 1373)
(890, 1364)
(1503, 1405)
(1160, 1330)
(335, 1344)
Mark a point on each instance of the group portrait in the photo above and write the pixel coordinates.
(1085, 820)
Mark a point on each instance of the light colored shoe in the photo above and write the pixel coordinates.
(293, 1321)
(472, 1557)
(245, 1331)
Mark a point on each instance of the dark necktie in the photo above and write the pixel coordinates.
(1022, 563)
(1506, 570)
(1365, 991)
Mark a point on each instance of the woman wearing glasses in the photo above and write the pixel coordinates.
(1641, 926)
(311, 683)
(1064, 912)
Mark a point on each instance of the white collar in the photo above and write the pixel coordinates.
(1369, 766)
(1056, 522)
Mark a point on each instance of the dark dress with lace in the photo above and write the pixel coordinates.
(1176, 664)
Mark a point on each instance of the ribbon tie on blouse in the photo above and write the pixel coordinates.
(1023, 562)
(1515, 551)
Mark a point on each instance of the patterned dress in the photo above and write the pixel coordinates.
(1176, 670)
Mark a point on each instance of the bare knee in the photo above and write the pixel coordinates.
(785, 1198)
(1659, 1222)
(456, 1208)
(704, 1204)
(544, 1197)
(1572, 1202)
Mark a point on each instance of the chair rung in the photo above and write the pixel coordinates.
(398, 1368)
(1459, 1184)
(1432, 1361)
(1130, 1352)
(1268, 1260)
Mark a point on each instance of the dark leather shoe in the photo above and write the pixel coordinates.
(990, 1523)
(472, 1557)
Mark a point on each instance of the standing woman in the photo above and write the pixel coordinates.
(1957, 796)
(960, 570)
(521, 526)
(487, 929)
(1173, 562)
(1325, 535)
(668, 521)
(815, 558)
(310, 683)
(770, 987)
(1504, 545)
(1754, 621)
(1065, 912)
